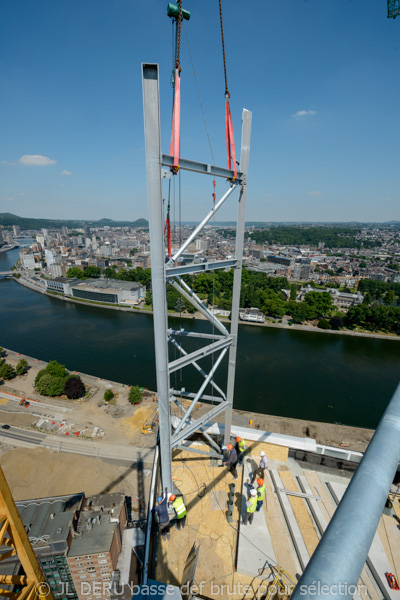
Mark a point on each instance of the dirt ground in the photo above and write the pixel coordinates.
(39, 473)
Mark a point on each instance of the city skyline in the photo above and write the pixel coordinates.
(319, 80)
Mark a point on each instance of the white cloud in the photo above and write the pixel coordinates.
(36, 160)
(304, 113)
(66, 172)
(9, 199)
(10, 164)
(316, 193)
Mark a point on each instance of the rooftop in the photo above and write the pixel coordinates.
(97, 523)
(48, 521)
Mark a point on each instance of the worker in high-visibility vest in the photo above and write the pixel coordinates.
(180, 509)
(260, 493)
(251, 506)
(240, 449)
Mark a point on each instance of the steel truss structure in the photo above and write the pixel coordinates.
(218, 344)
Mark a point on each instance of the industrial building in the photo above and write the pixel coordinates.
(124, 293)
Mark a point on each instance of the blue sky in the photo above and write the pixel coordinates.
(321, 78)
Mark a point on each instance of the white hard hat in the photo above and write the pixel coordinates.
(253, 492)
(262, 453)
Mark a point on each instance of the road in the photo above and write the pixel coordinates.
(31, 439)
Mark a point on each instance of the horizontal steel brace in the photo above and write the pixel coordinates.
(171, 271)
(197, 451)
(183, 361)
(196, 167)
(183, 333)
(182, 394)
(201, 422)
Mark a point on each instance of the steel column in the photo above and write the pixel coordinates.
(336, 565)
(152, 136)
(237, 275)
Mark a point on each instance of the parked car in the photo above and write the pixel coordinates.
(5, 426)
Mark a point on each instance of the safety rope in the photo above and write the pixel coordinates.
(230, 140)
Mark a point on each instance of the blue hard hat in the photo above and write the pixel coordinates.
(159, 499)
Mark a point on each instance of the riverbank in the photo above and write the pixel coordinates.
(198, 315)
(7, 248)
(329, 434)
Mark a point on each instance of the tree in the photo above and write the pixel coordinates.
(57, 386)
(336, 322)
(320, 302)
(74, 387)
(389, 297)
(293, 292)
(44, 384)
(324, 324)
(7, 371)
(1, 351)
(21, 367)
(180, 305)
(56, 370)
(92, 271)
(363, 265)
(135, 395)
(39, 376)
(75, 272)
(108, 395)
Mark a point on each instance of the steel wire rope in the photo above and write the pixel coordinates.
(223, 49)
(199, 96)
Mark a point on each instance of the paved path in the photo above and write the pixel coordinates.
(256, 556)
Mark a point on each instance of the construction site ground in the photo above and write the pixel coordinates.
(40, 472)
(240, 561)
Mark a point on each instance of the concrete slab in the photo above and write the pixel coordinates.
(297, 538)
(377, 559)
(313, 504)
(256, 556)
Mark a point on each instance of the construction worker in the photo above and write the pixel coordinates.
(161, 513)
(240, 448)
(232, 461)
(180, 510)
(251, 506)
(262, 466)
(260, 493)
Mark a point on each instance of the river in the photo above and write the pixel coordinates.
(316, 376)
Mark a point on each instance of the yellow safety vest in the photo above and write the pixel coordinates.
(241, 446)
(179, 507)
(261, 492)
(252, 508)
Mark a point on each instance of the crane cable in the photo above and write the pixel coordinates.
(176, 114)
(230, 140)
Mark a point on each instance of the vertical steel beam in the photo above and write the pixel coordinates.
(152, 136)
(237, 276)
(335, 567)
